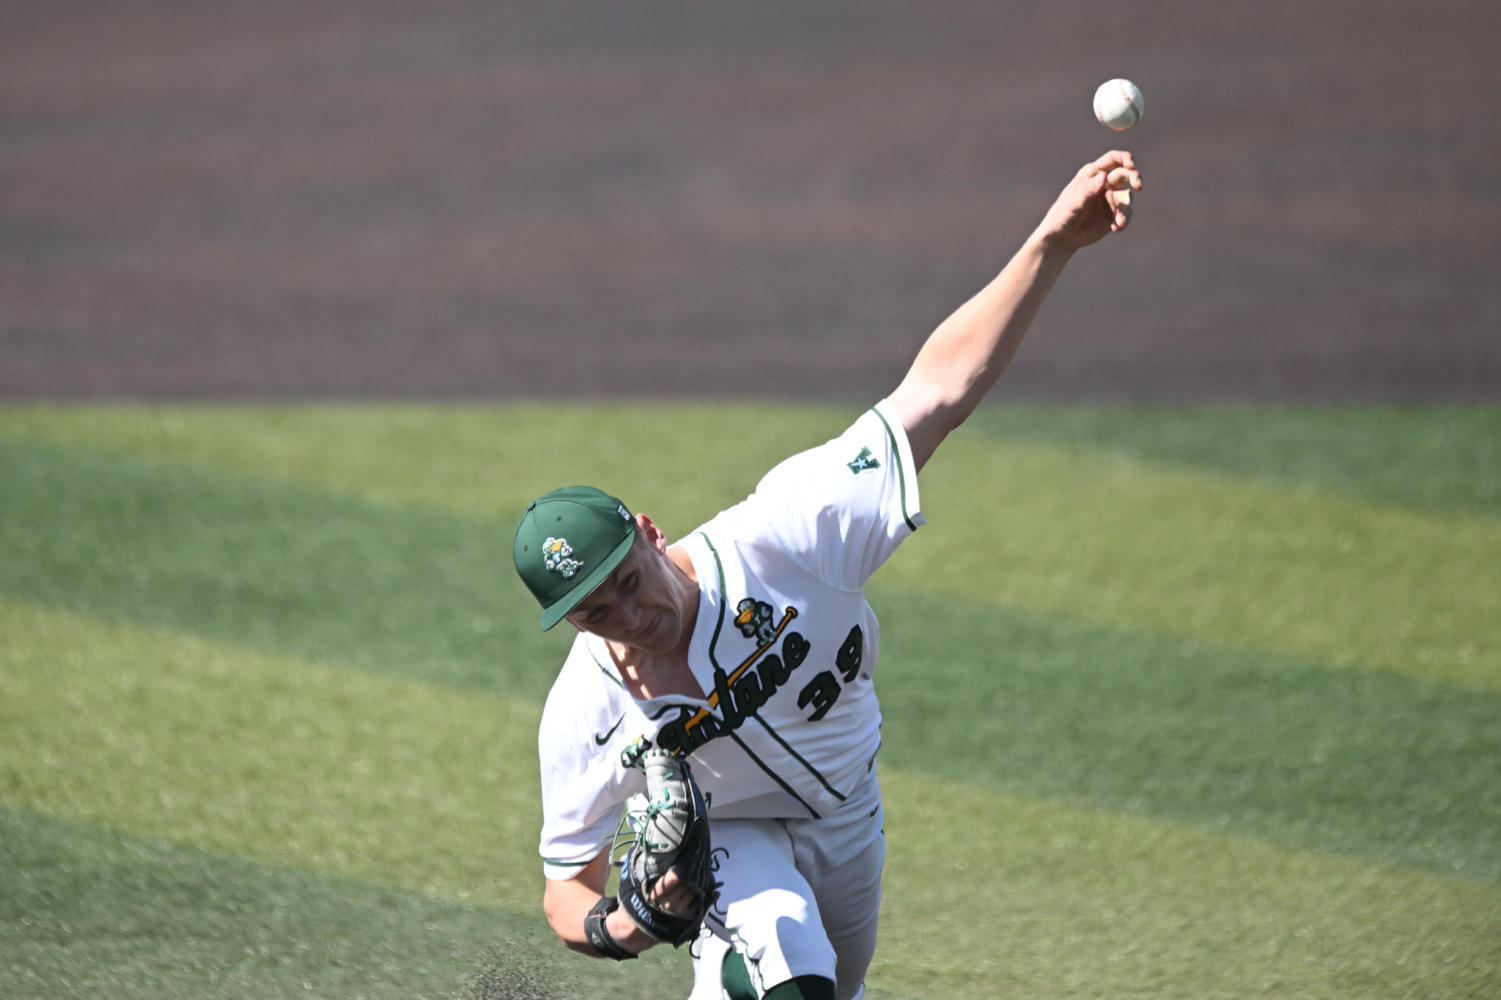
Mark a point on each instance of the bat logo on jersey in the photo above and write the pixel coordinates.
(555, 556)
(754, 620)
(739, 693)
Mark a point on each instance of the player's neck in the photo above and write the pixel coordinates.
(646, 674)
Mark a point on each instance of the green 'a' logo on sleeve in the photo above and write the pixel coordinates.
(864, 460)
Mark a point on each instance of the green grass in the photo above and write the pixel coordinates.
(1025, 898)
(1194, 702)
(1439, 459)
(90, 912)
(1209, 557)
(1383, 767)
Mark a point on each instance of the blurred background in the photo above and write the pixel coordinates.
(466, 199)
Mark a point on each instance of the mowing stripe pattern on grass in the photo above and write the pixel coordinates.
(1203, 715)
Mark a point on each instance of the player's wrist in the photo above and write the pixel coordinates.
(602, 937)
(1049, 244)
(630, 933)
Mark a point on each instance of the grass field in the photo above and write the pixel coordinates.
(1179, 702)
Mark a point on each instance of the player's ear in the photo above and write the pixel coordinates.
(653, 534)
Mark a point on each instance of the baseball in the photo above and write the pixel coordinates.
(1118, 104)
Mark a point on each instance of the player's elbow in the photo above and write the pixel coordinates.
(582, 947)
(561, 908)
(929, 410)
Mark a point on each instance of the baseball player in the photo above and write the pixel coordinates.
(744, 655)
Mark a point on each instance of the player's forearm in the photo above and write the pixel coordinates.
(972, 347)
(965, 356)
(567, 903)
(568, 925)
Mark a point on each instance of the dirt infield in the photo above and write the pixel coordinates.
(495, 199)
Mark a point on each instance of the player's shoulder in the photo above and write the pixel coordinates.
(873, 440)
(871, 449)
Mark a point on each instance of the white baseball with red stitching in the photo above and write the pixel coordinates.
(1118, 104)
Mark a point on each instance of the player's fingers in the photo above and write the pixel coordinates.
(671, 888)
(666, 886)
(1118, 204)
(1123, 177)
(677, 899)
(1111, 160)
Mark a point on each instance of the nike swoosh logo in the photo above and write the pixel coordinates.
(605, 738)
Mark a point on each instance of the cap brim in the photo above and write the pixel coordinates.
(558, 610)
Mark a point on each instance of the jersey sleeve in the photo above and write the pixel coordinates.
(583, 785)
(842, 508)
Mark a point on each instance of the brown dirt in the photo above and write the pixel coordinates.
(496, 200)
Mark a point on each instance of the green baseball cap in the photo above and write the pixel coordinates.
(567, 543)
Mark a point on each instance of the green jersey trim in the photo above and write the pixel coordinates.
(901, 472)
(723, 600)
(774, 776)
(607, 669)
(566, 864)
(799, 758)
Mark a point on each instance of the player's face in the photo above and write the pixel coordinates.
(641, 604)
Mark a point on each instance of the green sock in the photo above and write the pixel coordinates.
(735, 978)
(803, 988)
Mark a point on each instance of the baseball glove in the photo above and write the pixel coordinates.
(671, 826)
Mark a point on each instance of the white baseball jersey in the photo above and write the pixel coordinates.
(784, 644)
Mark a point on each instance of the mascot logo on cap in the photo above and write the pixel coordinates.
(555, 556)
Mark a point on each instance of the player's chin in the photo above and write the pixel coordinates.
(652, 636)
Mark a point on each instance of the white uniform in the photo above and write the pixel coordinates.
(784, 745)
